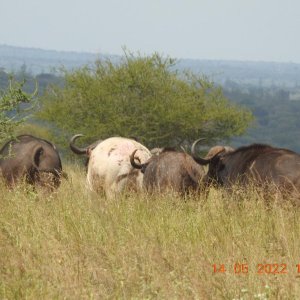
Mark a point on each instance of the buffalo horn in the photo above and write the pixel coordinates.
(132, 161)
(199, 160)
(74, 148)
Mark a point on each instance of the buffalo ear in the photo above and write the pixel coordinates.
(37, 156)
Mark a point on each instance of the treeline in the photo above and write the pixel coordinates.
(276, 111)
(42, 81)
(108, 96)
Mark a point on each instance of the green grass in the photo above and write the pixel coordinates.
(75, 244)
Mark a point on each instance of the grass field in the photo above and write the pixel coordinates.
(77, 245)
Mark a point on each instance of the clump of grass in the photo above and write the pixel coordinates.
(77, 244)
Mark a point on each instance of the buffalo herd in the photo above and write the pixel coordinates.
(117, 164)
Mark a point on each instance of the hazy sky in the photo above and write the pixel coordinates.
(264, 30)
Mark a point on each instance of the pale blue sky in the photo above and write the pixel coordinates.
(259, 30)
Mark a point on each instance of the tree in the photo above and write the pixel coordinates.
(145, 97)
(13, 108)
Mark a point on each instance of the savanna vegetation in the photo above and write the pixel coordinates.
(14, 103)
(144, 97)
(270, 92)
(75, 244)
(276, 111)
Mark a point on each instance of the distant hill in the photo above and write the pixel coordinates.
(42, 61)
(224, 72)
(262, 74)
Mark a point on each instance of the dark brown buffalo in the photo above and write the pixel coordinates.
(259, 163)
(170, 170)
(33, 159)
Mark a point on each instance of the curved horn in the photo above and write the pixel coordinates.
(199, 160)
(133, 163)
(74, 148)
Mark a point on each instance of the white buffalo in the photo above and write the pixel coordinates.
(108, 165)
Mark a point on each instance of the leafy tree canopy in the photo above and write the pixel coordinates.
(143, 97)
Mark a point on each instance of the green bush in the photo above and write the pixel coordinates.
(13, 108)
(144, 97)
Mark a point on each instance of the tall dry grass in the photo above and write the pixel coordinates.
(75, 244)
